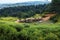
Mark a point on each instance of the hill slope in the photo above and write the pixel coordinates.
(23, 4)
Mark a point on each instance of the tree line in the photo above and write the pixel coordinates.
(22, 11)
(28, 11)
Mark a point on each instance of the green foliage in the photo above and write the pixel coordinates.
(44, 13)
(55, 6)
(8, 19)
(51, 36)
(37, 16)
(22, 11)
(29, 31)
(9, 30)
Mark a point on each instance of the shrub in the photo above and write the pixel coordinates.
(51, 36)
(29, 31)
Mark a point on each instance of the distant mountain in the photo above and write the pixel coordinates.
(23, 4)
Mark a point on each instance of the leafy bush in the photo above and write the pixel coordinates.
(8, 19)
(29, 31)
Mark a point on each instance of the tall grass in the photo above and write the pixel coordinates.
(9, 30)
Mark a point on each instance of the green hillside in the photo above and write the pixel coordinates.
(9, 30)
(34, 22)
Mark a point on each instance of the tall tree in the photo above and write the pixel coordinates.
(55, 6)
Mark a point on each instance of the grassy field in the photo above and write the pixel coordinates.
(9, 30)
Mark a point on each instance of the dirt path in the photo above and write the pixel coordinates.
(46, 17)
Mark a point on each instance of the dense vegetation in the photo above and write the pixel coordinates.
(29, 11)
(22, 11)
(9, 30)
(55, 6)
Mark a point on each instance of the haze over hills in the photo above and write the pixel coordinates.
(23, 4)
